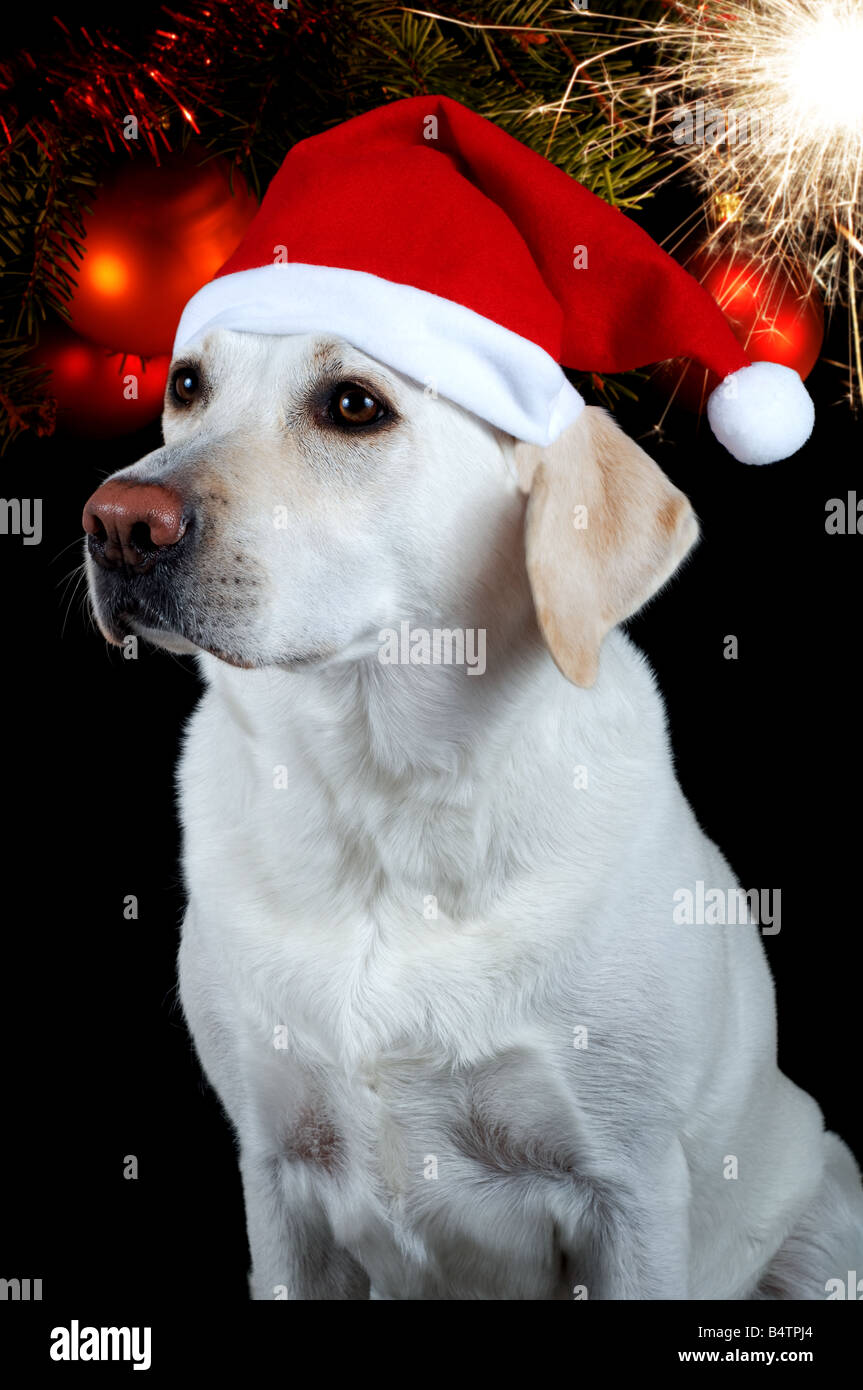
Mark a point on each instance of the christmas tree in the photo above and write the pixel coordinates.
(768, 148)
(244, 79)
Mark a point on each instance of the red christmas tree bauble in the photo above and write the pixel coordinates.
(155, 236)
(100, 393)
(772, 312)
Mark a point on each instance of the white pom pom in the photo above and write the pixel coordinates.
(761, 413)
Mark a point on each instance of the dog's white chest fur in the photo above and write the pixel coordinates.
(460, 1037)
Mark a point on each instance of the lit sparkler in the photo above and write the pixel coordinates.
(764, 99)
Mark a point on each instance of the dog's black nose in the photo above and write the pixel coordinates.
(131, 524)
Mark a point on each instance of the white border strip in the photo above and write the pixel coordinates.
(494, 373)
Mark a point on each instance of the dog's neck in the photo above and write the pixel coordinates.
(444, 777)
(402, 721)
(403, 767)
(415, 724)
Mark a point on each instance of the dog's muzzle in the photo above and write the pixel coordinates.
(138, 536)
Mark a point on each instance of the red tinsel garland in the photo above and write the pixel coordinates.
(92, 78)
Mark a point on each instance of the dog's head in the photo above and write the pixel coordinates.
(307, 497)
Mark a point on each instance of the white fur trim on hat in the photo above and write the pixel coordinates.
(495, 373)
(761, 413)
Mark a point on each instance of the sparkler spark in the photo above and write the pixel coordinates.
(781, 102)
(779, 82)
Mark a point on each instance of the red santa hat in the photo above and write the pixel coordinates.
(438, 244)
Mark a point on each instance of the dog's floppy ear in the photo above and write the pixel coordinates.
(604, 530)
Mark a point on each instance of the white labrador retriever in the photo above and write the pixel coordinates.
(430, 961)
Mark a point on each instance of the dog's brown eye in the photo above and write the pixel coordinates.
(185, 385)
(352, 405)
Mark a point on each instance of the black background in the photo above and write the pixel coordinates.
(98, 1064)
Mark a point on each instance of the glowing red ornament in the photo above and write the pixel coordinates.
(773, 313)
(156, 234)
(100, 393)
